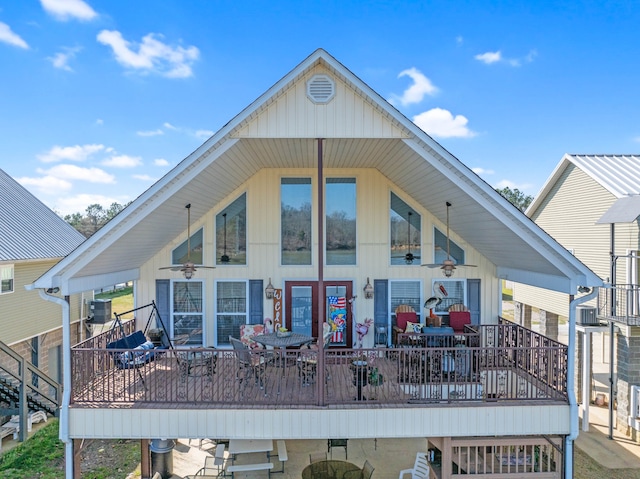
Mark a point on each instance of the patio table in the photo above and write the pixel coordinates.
(246, 446)
(292, 340)
(328, 470)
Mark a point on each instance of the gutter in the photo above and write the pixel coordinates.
(573, 403)
(66, 379)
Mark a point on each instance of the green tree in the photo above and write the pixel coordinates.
(516, 197)
(94, 217)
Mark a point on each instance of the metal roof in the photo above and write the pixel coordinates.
(29, 229)
(519, 249)
(619, 174)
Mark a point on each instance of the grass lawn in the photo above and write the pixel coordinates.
(121, 300)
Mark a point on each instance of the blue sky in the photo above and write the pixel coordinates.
(98, 99)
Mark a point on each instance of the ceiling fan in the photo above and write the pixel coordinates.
(409, 257)
(448, 266)
(188, 268)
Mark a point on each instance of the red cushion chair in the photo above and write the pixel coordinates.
(457, 320)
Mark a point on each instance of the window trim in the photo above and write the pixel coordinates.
(326, 229)
(202, 313)
(12, 268)
(419, 311)
(218, 313)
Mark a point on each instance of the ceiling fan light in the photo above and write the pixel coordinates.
(188, 273)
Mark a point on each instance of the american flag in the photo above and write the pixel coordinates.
(338, 302)
(337, 308)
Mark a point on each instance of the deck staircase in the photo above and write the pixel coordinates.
(25, 389)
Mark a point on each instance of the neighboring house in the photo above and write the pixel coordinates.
(32, 240)
(590, 204)
(324, 190)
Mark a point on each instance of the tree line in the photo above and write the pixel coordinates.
(93, 218)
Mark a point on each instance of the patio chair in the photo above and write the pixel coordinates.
(215, 462)
(308, 359)
(331, 443)
(420, 469)
(405, 314)
(365, 473)
(249, 362)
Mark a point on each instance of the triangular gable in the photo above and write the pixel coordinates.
(349, 114)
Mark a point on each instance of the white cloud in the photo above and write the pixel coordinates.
(459, 40)
(441, 123)
(496, 57)
(489, 57)
(421, 86)
(123, 161)
(61, 59)
(78, 203)
(152, 55)
(99, 121)
(204, 134)
(150, 132)
(169, 126)
(72, 153)
(160, 162)
(69, 9)
(8, 36)
(48, 185)
(481, 171)
(73, 172)
(510, 184)
(145, 178)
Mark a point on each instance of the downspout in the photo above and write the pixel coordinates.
(573, 403)
(66, 379)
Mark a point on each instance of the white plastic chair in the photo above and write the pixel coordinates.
(420, 468)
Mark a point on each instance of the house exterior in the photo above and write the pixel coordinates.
(591, 204)
(318, 203)
(32, 239)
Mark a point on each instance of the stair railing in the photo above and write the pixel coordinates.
(27, 381)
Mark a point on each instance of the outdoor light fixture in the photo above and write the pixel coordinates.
(448, 268)
(368, 290)
(584, 289)
(188, 273)
(269, 290)
(53, 290)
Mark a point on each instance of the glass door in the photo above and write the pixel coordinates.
(301, 309)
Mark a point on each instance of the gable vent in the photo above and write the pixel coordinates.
(320, 89)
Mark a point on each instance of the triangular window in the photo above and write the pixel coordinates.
(179, 254)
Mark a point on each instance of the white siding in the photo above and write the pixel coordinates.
(263, 255)
(293, 115)
(450, 421)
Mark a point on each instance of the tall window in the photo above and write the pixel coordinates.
(6, 278)
(295, 220)
(406, 242)
(179, 254)
(231, 309)
(231, 233)
(340, 205)
(187, 312)
(406, 292)
(456, 253)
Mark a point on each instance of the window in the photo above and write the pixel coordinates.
(231, 233)
(456, 293)
(187, 312)
(456, 253)
(406, 292)
(340, 230)
(405, 241)
(179, 254)
(232, 309)
(6, 279)
(295, 221)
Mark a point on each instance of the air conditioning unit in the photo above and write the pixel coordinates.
(100, 311)
(586, 315)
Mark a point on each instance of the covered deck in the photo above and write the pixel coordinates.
(488, 363)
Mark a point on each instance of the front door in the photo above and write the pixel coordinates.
(301, 309)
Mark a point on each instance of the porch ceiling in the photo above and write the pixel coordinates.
(147, 230)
